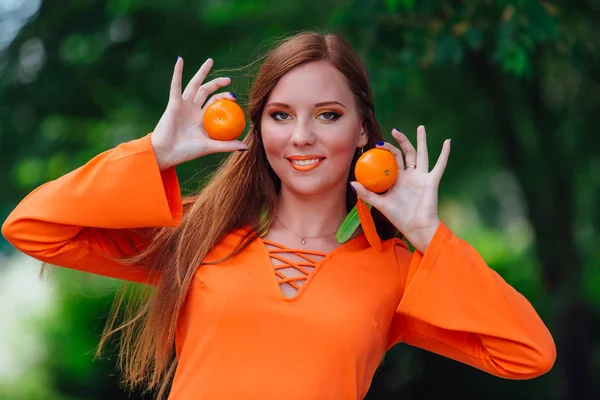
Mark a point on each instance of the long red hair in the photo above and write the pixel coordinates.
(239, 191)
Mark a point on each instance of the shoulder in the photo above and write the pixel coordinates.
(238, 241)
(363, 255)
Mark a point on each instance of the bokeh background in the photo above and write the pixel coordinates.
(514, 83)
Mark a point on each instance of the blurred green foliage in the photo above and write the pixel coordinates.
(515, 83)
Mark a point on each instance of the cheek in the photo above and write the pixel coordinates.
(342, 141)
(274, 137)
(341, 153)
(341, 145)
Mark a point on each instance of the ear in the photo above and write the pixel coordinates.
(363, 137)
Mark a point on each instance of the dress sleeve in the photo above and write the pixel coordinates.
(98, 212)
(454, 305)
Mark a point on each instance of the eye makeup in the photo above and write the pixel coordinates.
(325, 116)
(329, 116)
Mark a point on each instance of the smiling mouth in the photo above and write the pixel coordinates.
(305, 164)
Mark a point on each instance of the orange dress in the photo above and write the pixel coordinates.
(240, 337)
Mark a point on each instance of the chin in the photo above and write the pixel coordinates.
(309, 186)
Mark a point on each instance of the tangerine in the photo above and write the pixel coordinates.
(224, 120)
(376, 170)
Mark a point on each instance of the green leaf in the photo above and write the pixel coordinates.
(349, 225)
(394, 5)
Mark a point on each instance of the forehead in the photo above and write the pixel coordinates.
(311, 83)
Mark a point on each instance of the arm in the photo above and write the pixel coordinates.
(78, 220)
(456, 306)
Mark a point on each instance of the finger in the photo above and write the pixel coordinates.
(440, 165)
(395, 151)
(219, 96)
(365, 194)
(175, 92)
(209, 88)
(410, 154)
(225, 146)
(197, 80)
(422, 156)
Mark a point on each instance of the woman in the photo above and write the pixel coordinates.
(253, 296)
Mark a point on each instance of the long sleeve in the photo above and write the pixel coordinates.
(94, 213)
(456, 306)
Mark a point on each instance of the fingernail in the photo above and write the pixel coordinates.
(380, 143)
(178, 57)
(353, 188)
(397, 130)
(233, 95)
(450, 141)
(242, 149)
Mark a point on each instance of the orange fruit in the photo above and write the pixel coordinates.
(224, 120)
(376, 170)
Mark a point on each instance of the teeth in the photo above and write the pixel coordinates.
(306, 162)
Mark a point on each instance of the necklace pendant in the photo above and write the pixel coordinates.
(303, 241)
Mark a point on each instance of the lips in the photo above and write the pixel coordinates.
(305, 163)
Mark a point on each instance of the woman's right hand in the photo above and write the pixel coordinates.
(179, 135)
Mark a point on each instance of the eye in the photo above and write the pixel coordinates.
(280, 116)
(329, 116)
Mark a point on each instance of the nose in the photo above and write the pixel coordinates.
(303, 134)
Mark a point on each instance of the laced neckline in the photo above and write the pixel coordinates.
(292, 274)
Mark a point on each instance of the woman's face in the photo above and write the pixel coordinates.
(311, 127)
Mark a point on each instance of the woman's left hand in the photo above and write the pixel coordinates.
(411, 204)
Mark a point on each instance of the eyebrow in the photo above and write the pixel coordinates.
(322, 104)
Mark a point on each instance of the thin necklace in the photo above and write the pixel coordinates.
(303, 238)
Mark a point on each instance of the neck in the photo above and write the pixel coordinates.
(312, 215)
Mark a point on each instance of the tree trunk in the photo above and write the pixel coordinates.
(545, 178)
